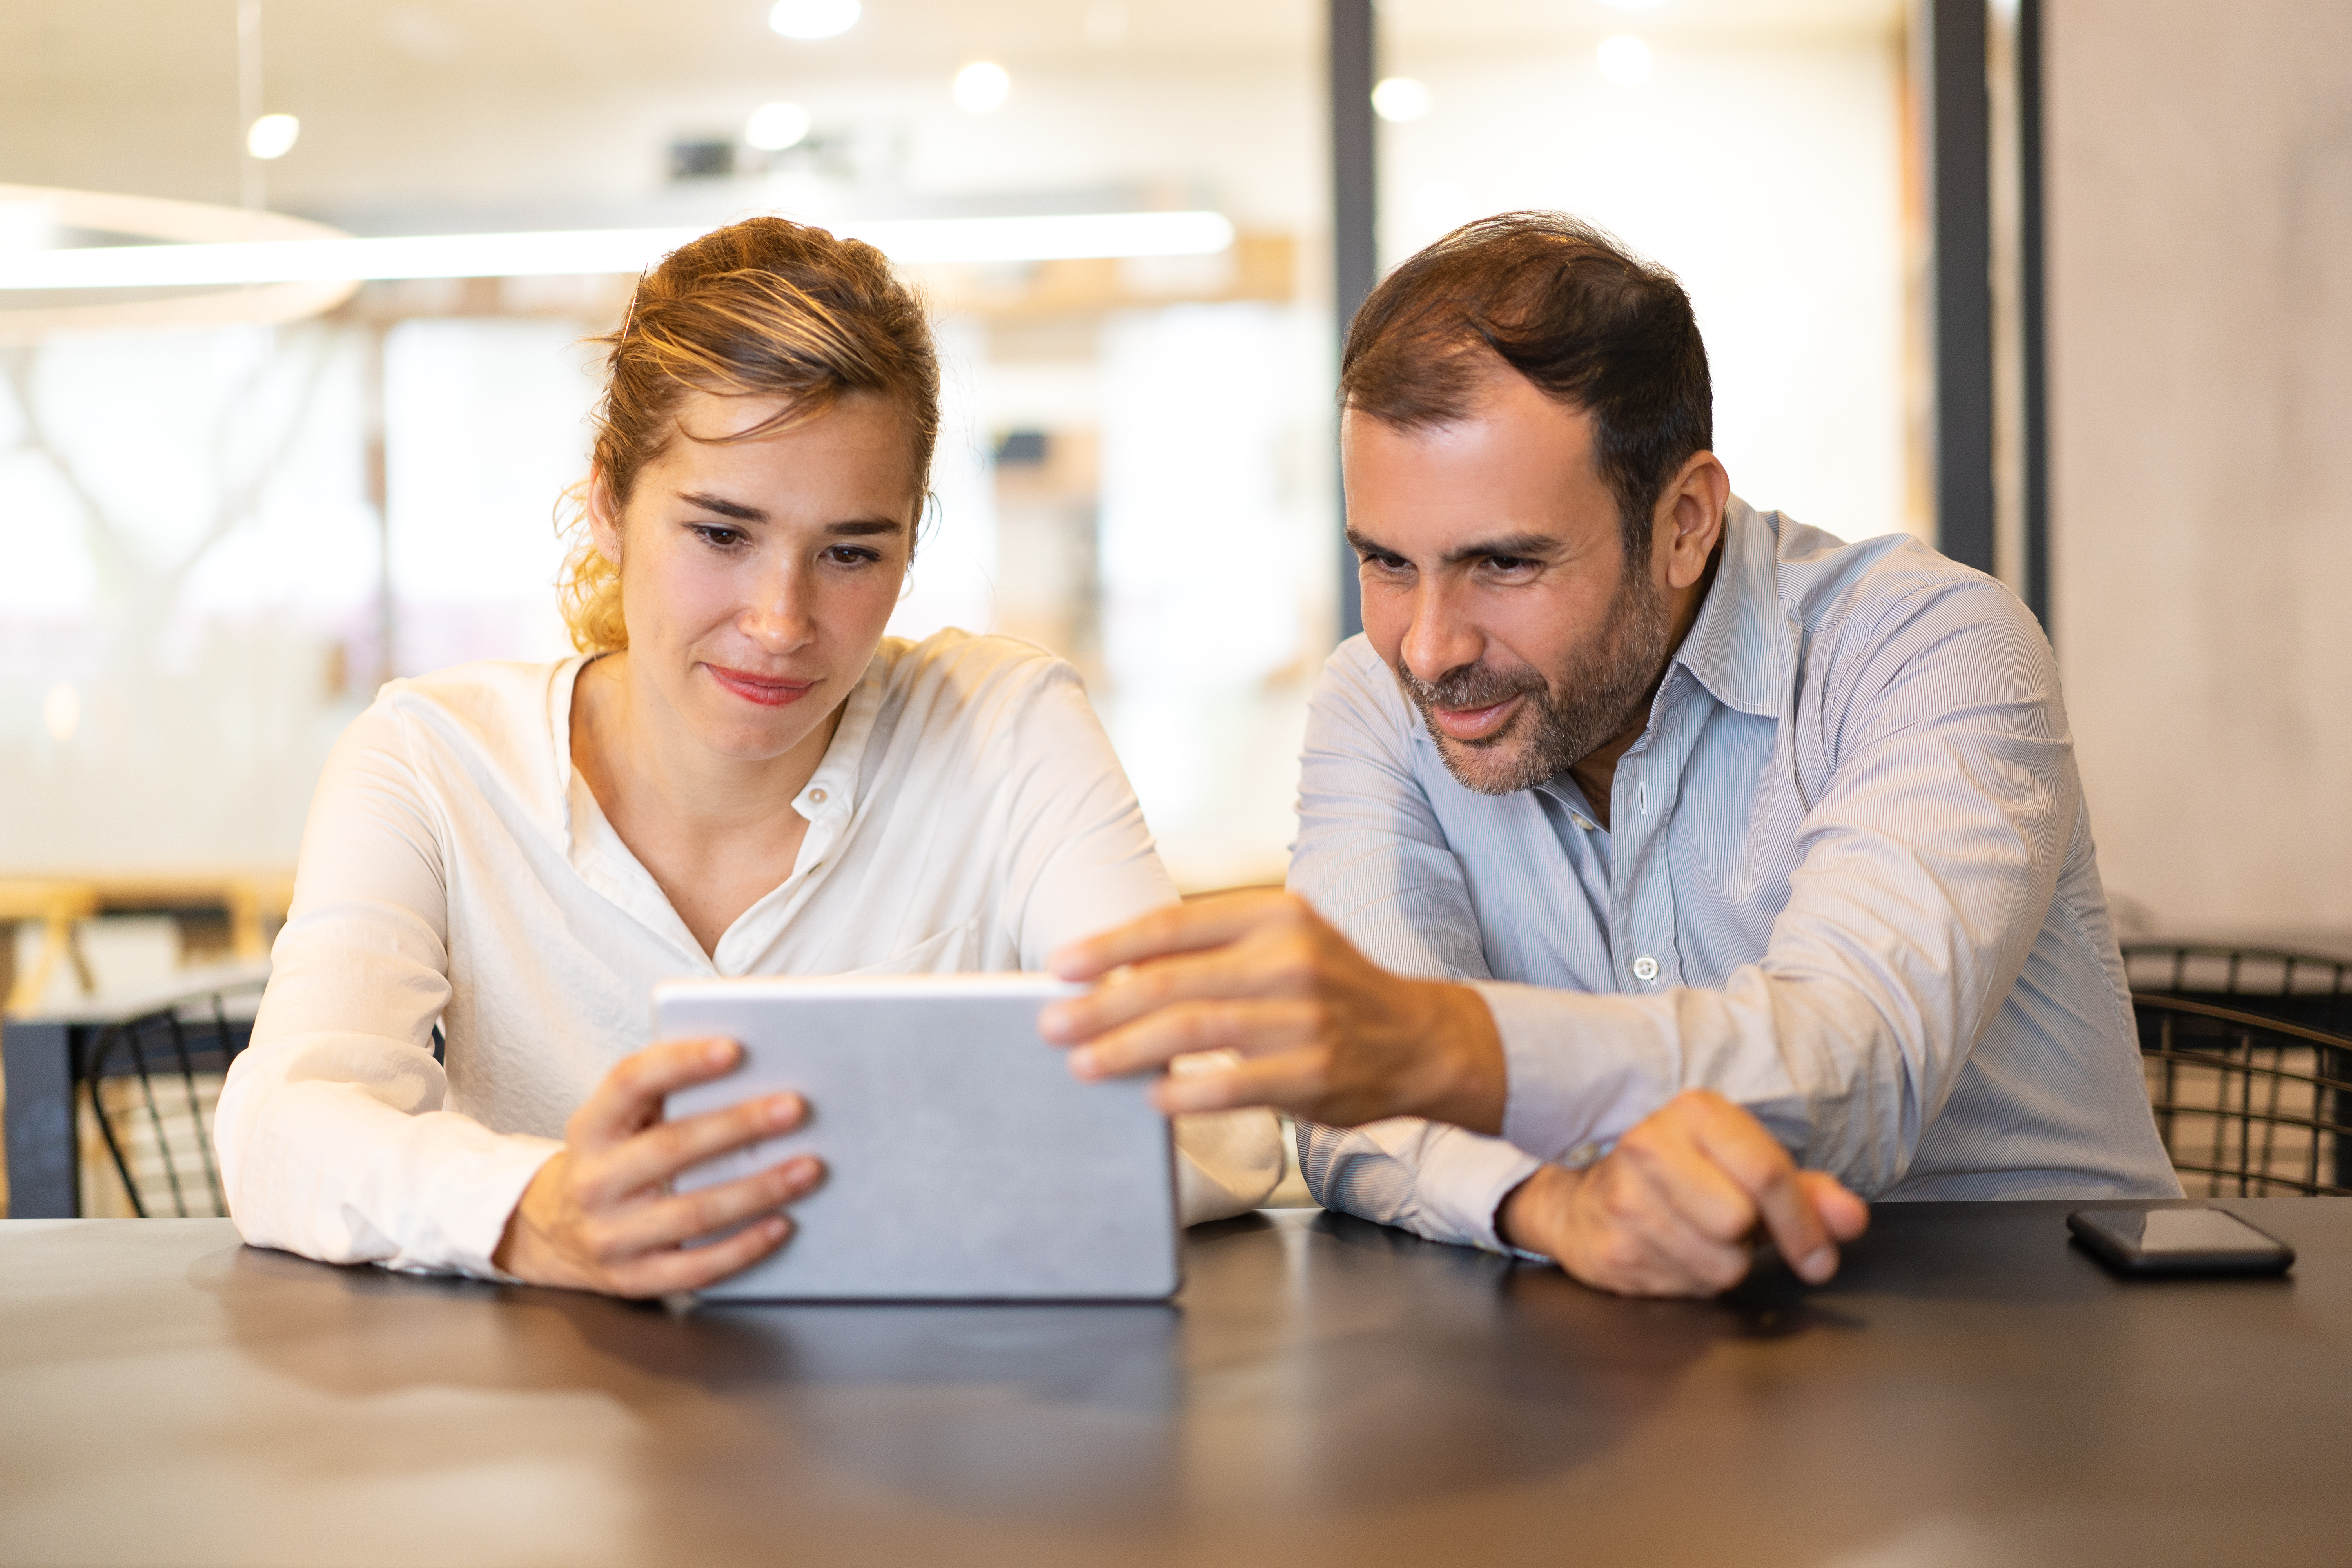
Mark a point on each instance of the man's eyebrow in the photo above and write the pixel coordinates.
(1510, 544)
(724, 508)
(1515, 544)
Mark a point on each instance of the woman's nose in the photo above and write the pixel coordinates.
(780, 616)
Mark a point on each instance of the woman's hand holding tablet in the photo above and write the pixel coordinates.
(600, 1214)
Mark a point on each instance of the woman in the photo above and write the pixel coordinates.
(738, 777)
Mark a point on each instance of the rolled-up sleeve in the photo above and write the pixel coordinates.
(332, 1137)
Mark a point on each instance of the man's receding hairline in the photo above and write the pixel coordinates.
(1485, 377)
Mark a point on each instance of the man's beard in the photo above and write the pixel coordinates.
(1596, 698)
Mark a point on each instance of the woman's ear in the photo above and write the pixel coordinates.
(603, 515)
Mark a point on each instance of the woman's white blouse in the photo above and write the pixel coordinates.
(969, 814)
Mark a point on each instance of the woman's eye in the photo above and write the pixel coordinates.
(722, 537)
(849, 555)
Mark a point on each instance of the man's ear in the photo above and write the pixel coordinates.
(1688, 520)
(603, 516)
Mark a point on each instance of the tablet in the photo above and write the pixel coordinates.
(963, 1160)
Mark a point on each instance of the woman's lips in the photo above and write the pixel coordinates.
(1477, 724)
(768, 691)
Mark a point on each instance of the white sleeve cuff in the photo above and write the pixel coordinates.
(477, 1195)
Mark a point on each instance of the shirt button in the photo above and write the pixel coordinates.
(816, 797)
(1645, 969)
(1583, 1154)
(1580, 822)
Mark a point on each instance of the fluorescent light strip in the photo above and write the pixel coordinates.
(908, 241)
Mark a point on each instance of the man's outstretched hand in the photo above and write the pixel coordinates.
(1671, 1209)
(1320, 1030)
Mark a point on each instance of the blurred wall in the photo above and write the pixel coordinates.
(2200, 309)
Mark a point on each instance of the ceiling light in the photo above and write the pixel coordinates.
(814, 19)
(981, 87)
(776, 126)
(1068, 236)
(1400, 97)
(1625, 60)
(272, 136)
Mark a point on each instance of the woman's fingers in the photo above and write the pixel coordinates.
(631, 1094)
(662, 1150)
(670, 1271)
(673, 1218)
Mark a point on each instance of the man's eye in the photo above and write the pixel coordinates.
(1508, 562)
(1385, 562)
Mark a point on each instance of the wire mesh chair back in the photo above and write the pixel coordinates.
(2306, 988)
(154, 1081)
(2252, 1105)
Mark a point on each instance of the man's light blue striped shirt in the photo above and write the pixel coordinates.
(1848, 883)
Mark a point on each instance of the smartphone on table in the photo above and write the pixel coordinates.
(2143, 1242)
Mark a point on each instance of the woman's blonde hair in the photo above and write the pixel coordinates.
(765, 308)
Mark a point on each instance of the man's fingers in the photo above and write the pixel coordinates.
(1298, 1082)
(1135, 992)
(1256, 1027)
(1640, 1243)
(1177, 928)
(1737, 1143)
(665, 1222)
(661, 1151)
(1845, 1215)
(692, 1268)
(632, 1092)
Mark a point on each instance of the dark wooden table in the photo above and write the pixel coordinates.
(1970, 1390)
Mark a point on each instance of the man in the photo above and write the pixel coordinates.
(1664, 845)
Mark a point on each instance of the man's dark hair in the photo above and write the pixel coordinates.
(1568, 308)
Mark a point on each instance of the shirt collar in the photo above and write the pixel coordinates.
(830, 796)
(1737, 648)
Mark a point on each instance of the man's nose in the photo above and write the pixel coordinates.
(1439, 638)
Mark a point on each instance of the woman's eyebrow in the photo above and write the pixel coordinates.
(863, 527)
(736, 510)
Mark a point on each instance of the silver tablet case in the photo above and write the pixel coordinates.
(964, 1161)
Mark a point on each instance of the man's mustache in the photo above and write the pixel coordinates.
(1469, 686)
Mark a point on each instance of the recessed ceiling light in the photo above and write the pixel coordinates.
(272, 136)
(776, 126)
(1400, 97)
(1625, 60)
(981, 86)
(814, 19)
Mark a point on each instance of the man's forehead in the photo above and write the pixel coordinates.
(1506, 468)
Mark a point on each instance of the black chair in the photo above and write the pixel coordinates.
(154, 1082)
(2311, 990)
(2254, 1105)
(2307, 988)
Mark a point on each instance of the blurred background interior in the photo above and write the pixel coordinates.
(228, 515)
